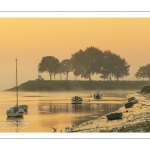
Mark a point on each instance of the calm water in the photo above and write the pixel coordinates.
(47, 110)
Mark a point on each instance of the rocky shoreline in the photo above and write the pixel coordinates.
(135, 119)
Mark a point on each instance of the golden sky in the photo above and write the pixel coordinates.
(30, 39)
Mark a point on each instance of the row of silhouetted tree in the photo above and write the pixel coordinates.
(143, 72)
(86, 63)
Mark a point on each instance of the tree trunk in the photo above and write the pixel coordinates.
(67, 76)
(50, 75)
(117, 78)
(110, 77)
(89, 77)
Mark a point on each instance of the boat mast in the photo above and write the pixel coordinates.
(16, 84)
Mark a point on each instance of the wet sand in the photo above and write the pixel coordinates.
(135, 119)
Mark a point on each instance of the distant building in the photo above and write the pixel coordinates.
(40, 77)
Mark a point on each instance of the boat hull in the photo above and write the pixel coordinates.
(76, 102)
(128, 105)
(15, 115)
(114, 116)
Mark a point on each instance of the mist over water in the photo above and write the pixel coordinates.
(54, 109)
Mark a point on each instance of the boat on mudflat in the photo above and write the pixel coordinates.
(133, 100)
(128, 105)
(114, 115)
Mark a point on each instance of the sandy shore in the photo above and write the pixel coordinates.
(135, 119)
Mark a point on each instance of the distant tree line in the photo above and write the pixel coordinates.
(87, 63)
(143, 72)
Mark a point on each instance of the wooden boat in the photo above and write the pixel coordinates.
(130, 99)
(76, 100)
(114, 115)
(97, 95)
(133, 100)
(128, 105)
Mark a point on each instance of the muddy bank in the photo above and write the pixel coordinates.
(135, 119)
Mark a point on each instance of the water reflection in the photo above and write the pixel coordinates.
(63, 115)
(12, 119)
(76, 107)
(73, 108)
(14, 123)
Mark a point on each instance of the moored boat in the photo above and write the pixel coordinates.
(97, 95)
(133, 100)
(128, 105)
(114, 115)
(15, 111)
(76, 100)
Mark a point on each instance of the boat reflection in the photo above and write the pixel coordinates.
(14, 122)
(76, 107)
(13, 119)
(51, 108)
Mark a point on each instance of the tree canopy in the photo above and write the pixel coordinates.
(114, 66)
(143, 72)
(85, 63)
(88, 62)
(48, 64)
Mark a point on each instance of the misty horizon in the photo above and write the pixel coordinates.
(30, 39)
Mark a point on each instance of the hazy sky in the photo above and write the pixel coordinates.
(30, 39)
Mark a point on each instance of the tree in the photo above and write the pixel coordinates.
(121, 68)
(141, 73)
(88, 62)
(48, 64)
(148, 71)
(59, 70)
(66, 67)
(114, 66)
(107, 68)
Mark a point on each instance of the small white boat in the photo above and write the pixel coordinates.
(97, 95)
(15, 111)
(76, 100)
